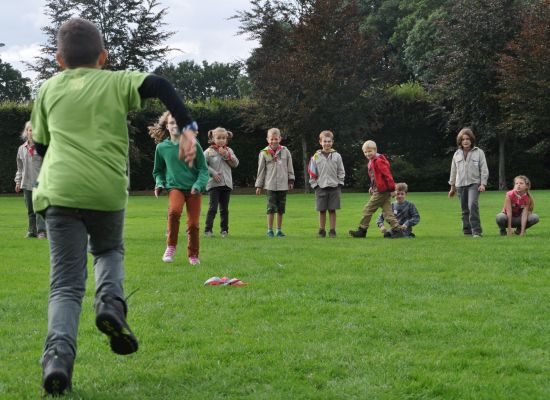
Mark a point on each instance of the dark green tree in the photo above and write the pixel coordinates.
(470, 36)
(311, 67)
(132, 32)
(525, 80)
(207, 81)
(13, 86)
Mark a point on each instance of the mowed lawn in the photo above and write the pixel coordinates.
(441, 316)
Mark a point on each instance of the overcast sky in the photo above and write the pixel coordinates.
(203, 31)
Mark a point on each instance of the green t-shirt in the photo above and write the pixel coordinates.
(172, 173)
(81, 115)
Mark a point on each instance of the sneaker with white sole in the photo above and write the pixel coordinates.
(169, 254)
(194, 260)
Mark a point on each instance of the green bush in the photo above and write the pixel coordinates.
(12, 121)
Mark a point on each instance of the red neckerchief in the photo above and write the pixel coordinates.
(217, 149)
(274, 153)
(30, 148)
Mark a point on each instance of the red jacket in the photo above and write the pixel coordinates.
(380, 167)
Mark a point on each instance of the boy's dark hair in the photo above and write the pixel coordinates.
(79, 42)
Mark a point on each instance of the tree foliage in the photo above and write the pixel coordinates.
(13, 86)
(207, 81)
(132, 32)
(525, 79)
(470, 36)
(312, 66)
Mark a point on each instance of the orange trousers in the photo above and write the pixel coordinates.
(176, 200)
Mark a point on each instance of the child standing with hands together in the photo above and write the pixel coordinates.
(220, 159)
(326, 171)
(276, 176)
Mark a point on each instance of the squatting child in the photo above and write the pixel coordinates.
(220, 159)
(381, 187)
(79, 120)
(28, 168)
(326, 176)
(517, 211)
(276, 176)
(184, 184)
(406, 213)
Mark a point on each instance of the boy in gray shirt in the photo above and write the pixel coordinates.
(406, 213)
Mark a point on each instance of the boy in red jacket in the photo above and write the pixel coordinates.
(381, 188)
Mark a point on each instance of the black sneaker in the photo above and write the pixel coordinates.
(57, 372)
(397, 234)
(111, 320)
(322, 233)
(359, 233)
(503, 232)
(332, 233)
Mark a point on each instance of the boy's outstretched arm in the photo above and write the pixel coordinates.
(157, 87)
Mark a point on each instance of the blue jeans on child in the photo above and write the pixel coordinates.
(71, 232)
(36, 221)
(469, 195)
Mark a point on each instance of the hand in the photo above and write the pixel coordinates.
(371, 190)
(403, 227)
(17, 187)
(217, 177)
(509, 231)
(290, 186)
(452, 192)
(188, 149)
(223, 152)
(194, 191)
(158, 190)
(481, 188)
(383, 229)
(258, 191)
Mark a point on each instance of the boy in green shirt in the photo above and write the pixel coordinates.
(79, 120)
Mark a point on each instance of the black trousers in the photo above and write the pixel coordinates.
(218, 196)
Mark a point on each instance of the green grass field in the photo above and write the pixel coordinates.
(439, 317)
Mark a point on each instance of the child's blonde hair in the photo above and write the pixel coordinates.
(219, 129)
(24, 133)
(159, 131)
(402, 187)
(328, 134)
(274, 131)
(369, 144)
(528, 183)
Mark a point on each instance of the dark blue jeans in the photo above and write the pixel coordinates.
(219, 196)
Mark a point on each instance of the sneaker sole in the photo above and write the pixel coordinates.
(56, 383)
(122, 340)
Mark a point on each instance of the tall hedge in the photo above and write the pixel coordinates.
(12, 121)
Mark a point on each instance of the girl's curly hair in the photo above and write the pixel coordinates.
(219, 129)
(159, 132)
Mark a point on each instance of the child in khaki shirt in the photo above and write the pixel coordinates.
(276, 176)
(326, 171)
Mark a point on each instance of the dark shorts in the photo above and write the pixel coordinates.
(276, 201)
(327, 198)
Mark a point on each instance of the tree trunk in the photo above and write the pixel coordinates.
(501, 159)
(305, 163)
